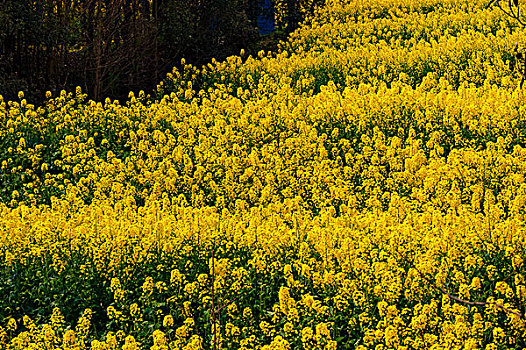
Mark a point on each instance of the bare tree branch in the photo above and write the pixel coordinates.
(457, 299)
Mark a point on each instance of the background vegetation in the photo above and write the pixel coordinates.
(112, 47)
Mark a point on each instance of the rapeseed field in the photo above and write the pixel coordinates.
(361, 188)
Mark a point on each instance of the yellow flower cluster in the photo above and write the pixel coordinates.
(364, 187)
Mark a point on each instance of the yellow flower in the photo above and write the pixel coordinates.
(11, 325)
(498, 335)
(475, 284)
(130, 343)
(115, 284)
(148, 286)
(284, 297)
(168, 321)
(111, 312)
(134, 310)
(308, 300)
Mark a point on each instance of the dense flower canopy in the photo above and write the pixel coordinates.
(353, 190)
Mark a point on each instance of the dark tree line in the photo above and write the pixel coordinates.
(111, 47)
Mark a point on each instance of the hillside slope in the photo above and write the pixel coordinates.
(361, 188)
